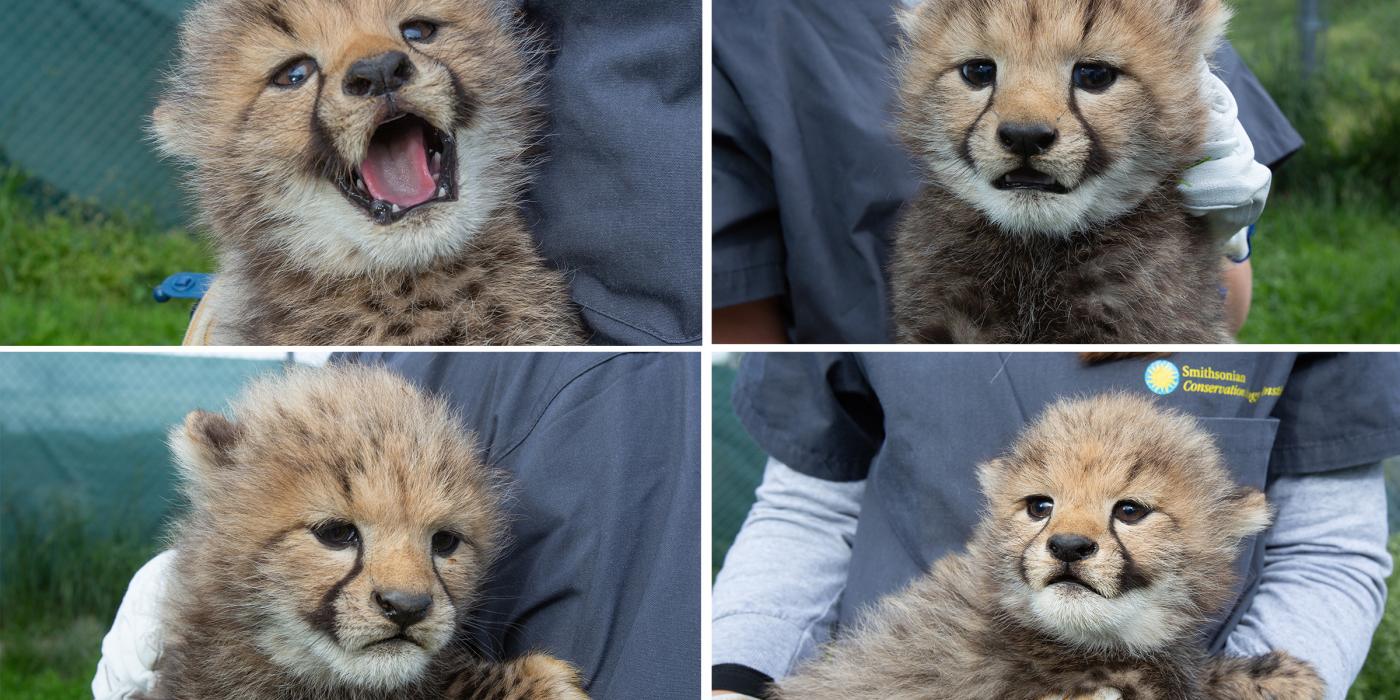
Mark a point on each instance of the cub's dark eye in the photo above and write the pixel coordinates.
(1094, 77)
(444, 543)
(1039, 507)
(336, 534)
(420, 31)
(295, 72)
(979, 72)
(1130, 511)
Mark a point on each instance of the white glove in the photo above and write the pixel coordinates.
(130, 649)
(1228, 188)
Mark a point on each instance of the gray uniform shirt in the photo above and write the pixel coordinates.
(603, 452)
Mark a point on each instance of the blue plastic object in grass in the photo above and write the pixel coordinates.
(183, 285)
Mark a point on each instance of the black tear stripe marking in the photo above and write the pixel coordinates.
(445, 590)
(1098, 161)
(464, 107)
(965, 148)
(323, 618)
(322, 159)
(1131, 577)
(1021, 562)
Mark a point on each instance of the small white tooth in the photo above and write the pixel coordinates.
(394, 208)
(359, 183)
(437, 161)
(442, 191)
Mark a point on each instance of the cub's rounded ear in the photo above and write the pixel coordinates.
(1246, 512)
(169, 137)
(204, 443)
(990, 474)
(910, 14)
(1205, 22)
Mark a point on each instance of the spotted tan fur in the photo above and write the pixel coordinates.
(1113, 259)
(260, 607)
(298, 262)
(993, 623)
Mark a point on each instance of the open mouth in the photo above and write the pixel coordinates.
(1070, 579)
(1028, 178)
(410, 164)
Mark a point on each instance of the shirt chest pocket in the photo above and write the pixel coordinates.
(1246, 444)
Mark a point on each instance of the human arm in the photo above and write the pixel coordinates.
(1237, 279)
(751, 322)
(1322, 587)
(775, 599)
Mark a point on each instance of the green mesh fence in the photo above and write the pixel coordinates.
(82, 435)
(738, 466)
(79, 79)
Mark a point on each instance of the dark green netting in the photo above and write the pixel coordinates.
(82, 435)
(78, 80)
(738, 466)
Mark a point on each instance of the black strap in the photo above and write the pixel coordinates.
(740, 679)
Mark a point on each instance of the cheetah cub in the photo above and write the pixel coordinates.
(340, 524)
(1052, 135)
(1106, 546)
(359, 168)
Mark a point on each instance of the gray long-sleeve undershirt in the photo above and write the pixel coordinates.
(1320, 598)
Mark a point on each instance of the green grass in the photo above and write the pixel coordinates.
(1380, 678)
(1325, 265)
(70, 275)
(61, 579)
(1325, 273)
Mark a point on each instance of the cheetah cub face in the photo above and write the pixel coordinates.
(1052, 115)
(1115, 525)
(358, 509)
(350, 138)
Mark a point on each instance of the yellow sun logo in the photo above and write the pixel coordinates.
(1162, 377)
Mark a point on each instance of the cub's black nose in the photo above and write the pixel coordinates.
(1026, 139)
(402, 608)
(378, 75)
(1072, 548)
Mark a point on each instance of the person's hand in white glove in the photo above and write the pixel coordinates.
(1228, 187)
(131, 647)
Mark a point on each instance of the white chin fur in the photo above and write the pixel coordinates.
(1138, 621)
(333, 237)
(1029, 213)
(317, 658)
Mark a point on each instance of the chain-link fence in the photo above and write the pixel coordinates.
(86, 487)
(738, 464)
(79, 79)
(83, 434)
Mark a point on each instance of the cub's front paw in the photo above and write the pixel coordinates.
(1274, 676)
(551, 679)
(530, 677)
(1100, 694)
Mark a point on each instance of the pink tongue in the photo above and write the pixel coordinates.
(396, 167)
